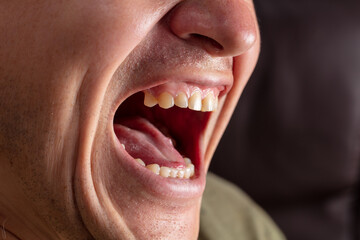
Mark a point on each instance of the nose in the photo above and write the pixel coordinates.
(221, 27)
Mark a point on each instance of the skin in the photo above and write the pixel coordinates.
(65, 66)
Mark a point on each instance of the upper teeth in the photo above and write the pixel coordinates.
(194, 102)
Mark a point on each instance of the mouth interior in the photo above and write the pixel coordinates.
(161, 136)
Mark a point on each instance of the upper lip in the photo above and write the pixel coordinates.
(198, 77)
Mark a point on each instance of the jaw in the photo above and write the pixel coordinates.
(116, 193)
(131, 200)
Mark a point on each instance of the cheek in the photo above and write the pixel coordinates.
(108, 30)
(46, 58)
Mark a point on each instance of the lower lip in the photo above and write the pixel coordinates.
(160, 186)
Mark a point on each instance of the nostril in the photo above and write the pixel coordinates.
(209, 41)
(220, 27)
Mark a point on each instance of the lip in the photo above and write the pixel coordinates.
(192, 76)
(172, 188)
(204, 78)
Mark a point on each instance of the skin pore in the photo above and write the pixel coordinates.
(65, 68)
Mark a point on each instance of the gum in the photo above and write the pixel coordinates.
(175, 88)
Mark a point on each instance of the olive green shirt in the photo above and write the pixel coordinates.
(227, 213)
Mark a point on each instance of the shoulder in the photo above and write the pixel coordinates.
(227, 213)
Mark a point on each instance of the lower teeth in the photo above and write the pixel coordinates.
(163, 171)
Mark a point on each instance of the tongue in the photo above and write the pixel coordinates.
(143, 140)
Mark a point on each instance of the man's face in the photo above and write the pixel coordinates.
(73, 76)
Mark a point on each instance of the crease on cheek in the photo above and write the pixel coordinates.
(62, 120)
(243, 68)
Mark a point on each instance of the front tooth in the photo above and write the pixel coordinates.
(165, 171)
(173, 173)
(195, 101)
(155, 168)
(208, 103)
(140, 162)
(216, 103)
(166, 100)
(181, 173)
(149, 100)
(181, 100)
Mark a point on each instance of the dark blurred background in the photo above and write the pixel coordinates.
(293, 143)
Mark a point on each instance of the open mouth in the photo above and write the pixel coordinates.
(161, 128)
